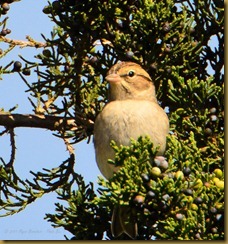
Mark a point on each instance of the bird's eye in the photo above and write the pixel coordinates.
(131, 73)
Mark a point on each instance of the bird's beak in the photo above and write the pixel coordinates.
(113, 78)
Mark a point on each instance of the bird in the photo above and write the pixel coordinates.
(131, 111)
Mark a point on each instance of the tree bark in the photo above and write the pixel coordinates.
(43, 121)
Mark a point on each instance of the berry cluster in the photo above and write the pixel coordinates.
(5, 32)
(17, 67)
(161, 200)
(212, 123)
(160, 165)
(5, 7)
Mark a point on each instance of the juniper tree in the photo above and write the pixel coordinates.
(176, 197)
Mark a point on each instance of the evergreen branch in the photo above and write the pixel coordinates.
(29, 43)
(16, 194)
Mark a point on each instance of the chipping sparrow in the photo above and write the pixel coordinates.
(132, 111)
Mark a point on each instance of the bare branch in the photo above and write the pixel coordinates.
(44, 121)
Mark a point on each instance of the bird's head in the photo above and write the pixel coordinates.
(129, 80)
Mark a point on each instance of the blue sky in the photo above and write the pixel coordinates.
(36, 148)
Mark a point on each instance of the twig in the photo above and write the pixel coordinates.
(29, 43)
(69, 147)
(13, 145)
(4, 132)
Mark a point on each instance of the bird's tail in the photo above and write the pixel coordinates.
(124, 221)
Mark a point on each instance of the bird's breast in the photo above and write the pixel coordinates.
(122, 120)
